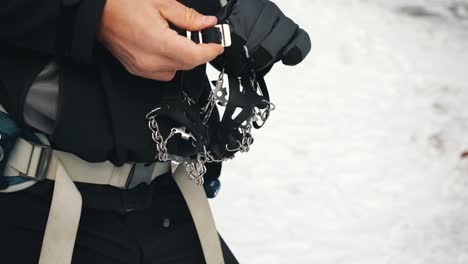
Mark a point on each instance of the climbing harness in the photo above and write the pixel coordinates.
(28, 159)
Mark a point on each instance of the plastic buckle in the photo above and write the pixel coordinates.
(224, 31)
(200, 36)
(43, 163)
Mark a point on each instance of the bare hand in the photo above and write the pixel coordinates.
(137, 33)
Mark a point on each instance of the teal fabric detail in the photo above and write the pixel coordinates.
(8, 127)
(15, 180)
(9, 133)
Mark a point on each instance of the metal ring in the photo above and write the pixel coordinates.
(152, 114)
(233, 150)
(272, 106)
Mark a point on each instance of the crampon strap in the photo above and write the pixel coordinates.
(196, 138)
(256, 34)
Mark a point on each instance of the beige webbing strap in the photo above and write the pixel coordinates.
(65, 210)
(199, 207)
(63, 221)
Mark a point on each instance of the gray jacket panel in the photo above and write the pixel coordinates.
(40, 107)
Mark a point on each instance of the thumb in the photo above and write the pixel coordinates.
(186, 18)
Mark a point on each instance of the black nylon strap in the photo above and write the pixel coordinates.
(195, 37)
(212, 35)
(209, 35)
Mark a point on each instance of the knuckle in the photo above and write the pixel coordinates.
(131, 70)
(189, 14)
(172, 75)
(162, 3)
(167, 76)
(144, 64)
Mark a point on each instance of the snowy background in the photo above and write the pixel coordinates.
(362, 162)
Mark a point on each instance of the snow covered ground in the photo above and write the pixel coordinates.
(362, 161)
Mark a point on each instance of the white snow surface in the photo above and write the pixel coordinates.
(362, 160)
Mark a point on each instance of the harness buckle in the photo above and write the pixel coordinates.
(140, 173)
(43, 162)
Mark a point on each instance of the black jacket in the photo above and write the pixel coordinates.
(102, 107)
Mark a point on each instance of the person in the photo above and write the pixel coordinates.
(80, 180)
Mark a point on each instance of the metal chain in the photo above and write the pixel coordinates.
(196, 171)
(161, 147)
(245, 143)
(196, 168)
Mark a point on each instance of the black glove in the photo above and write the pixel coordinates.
(261, 34)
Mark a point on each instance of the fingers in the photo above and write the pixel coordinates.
(184, 17)
(297, 50)
(208, 52)
(279, 37)
(187, 53)
(173, 53)
(181, 50)
(140, 38)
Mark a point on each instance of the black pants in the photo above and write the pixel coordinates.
(148, 224)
